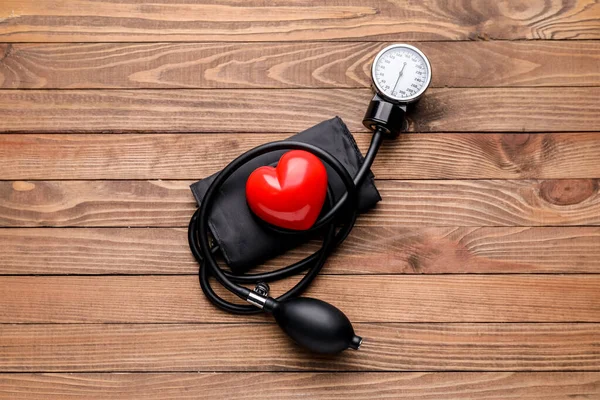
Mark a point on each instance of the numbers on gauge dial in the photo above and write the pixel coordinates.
(401, 73)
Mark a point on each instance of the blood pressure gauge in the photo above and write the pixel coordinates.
(401, 74)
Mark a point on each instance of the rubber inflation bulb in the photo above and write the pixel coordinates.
(316, 325)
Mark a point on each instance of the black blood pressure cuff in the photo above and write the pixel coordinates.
(244, 241)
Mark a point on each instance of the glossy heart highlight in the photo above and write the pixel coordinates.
(290, 195)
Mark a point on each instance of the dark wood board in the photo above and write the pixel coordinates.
(522, 109)
(220, 347)
(414, 203)
(368, 250)
(398, 298)
(313, 385)
(569, 155)
(288, 65)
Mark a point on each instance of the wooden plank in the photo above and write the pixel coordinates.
(90, 21)
(96, 203)
(293, 110)
(383, 298)
(368, 250)
(232, 347)
(96, 251)
(288, 65)
(405, 203)
(189, 156)
(282, 386)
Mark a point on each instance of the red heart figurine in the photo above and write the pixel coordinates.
(290, 195)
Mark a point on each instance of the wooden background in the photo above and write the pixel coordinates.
(478, 272)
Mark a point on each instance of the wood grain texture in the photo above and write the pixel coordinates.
(288, 65)
(230, 347)
(406, 203)
(190, 156)
(251, 110)
(387, 298)
(287, 386)
(368, 250)
(223, 20)
(478, 273)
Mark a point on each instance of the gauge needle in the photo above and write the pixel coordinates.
(399, 76)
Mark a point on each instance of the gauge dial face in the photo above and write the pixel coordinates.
(401, 73)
